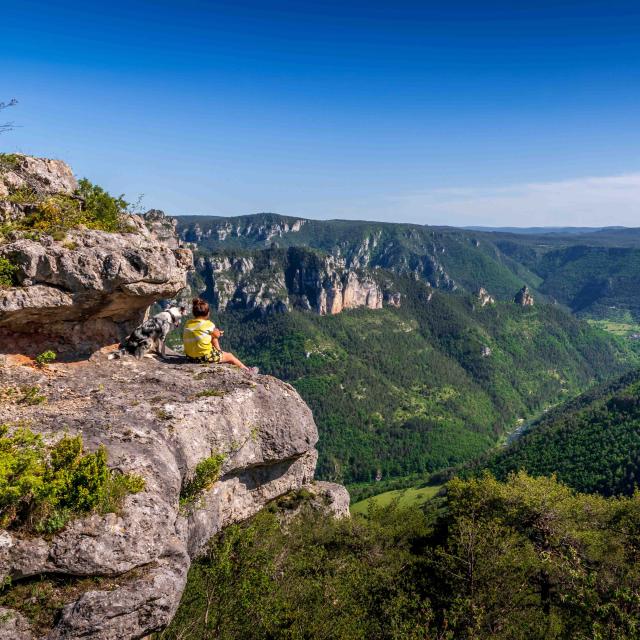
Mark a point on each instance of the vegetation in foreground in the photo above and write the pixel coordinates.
(44, 486)
(526, 559)
(90, 206)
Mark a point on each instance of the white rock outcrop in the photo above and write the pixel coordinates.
(158, 420)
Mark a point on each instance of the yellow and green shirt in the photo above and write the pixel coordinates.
(197, 337)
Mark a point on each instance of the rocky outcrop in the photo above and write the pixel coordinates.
(40, 176)
(162, 228)
(158, 420)
(484, 298)
(260, 230)
(524, 297)
(87, 290)
(280, 280)
(79, 289)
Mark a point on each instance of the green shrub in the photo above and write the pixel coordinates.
(32, 396)
(90, 206)
(46, 357)
(42, 487)
(528, 559)
(207, 472)
(103, 210)
(7, 273)
(10, 161)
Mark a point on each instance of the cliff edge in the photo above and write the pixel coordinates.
(159, 421)
(120, 572)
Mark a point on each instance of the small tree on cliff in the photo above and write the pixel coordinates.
(7, 126)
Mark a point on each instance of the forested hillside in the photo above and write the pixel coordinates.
(594, 274)
(528, 559)
(428, 385)
(591, 443)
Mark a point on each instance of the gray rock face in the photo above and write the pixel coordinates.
(14, 626)
(524, 297)
(162, 228)
(88, 290)
(278, 280)
(158, 420)
(42, 176)
(334, 496)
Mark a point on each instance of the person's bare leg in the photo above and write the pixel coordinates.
(229, 358)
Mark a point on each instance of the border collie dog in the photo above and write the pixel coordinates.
(153, 333)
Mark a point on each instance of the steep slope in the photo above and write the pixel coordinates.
(591, 443)
(596, 282)
(427, 385)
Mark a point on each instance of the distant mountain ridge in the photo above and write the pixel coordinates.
(592, 272)
(544, 230)
(445, 258)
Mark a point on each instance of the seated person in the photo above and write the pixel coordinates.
(201, 336)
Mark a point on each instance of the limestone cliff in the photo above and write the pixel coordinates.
(157, 420)
(407, 250)
(76, 289)
(280, 280)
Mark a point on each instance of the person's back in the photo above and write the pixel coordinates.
(200, 339)
(197, 337)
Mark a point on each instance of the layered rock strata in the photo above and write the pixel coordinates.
(279, 280)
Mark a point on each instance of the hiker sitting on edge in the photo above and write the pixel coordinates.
(201, 336)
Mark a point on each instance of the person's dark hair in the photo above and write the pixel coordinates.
(200, 307)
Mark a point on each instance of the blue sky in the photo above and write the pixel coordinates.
(465, 113)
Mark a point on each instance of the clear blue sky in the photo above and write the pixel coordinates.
(513, 113)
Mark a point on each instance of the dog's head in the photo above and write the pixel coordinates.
(177, 313)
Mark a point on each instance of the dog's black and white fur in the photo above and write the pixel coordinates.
(153, 333)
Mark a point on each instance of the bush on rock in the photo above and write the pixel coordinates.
(43, 486)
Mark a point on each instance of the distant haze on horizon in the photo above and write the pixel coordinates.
(460, 113)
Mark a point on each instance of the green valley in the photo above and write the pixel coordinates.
(429, 385)
(591, 443)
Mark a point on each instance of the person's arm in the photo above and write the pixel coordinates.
(215, 335)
